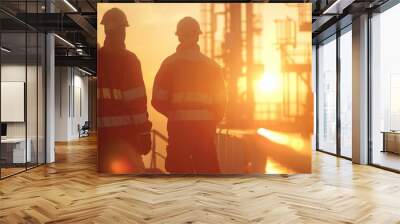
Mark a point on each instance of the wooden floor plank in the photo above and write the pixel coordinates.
(71, 191)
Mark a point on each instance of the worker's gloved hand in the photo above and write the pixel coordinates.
(143, 143)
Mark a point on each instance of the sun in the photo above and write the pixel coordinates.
(268, 88)
(269, 83)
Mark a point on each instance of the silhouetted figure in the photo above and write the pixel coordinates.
(124, 128)
(189, 90)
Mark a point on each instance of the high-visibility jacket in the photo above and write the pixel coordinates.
(122, 102)
(189, 87)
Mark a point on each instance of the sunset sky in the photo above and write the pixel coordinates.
(151, 35)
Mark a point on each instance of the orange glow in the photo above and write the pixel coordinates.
(242, 84)
(273, 167)
(294, 142)
(119, 166)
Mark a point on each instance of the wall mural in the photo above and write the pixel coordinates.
(204, 88)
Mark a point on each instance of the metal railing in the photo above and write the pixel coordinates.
(156, 135)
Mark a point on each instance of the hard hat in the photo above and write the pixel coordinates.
(114, 18)
(188, 25)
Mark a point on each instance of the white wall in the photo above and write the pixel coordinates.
(62, 82)
(71, 87)
(16, 73)
(80, 84)
(33, 127)
(12, 73)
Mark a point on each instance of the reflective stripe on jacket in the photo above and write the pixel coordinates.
(122, 100)
(189, 86)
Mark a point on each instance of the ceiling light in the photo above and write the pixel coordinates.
(80, 51)
(84, 71)
(5, 50)
(65, 41)
(70, 5)
(337, 7)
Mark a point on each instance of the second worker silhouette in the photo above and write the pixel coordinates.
(189, 90)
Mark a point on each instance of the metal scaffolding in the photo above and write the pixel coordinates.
(235, 50)
(295, 65)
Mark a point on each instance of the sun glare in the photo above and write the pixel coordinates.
(268, 88)
(268, 84)
(294, 142)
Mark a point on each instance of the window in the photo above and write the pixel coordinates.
(327, 96)
(385, 89)
(346, 93)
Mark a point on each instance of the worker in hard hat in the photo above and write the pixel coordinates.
(189, 90)
(123, 121)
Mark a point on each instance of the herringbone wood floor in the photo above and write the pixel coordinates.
(70, 191)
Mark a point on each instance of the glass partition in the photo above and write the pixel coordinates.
(15, 150)
(22, 91)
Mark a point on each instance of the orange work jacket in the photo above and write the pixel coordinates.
(189, 87)
(122, 103)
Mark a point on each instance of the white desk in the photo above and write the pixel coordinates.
(16, 147)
